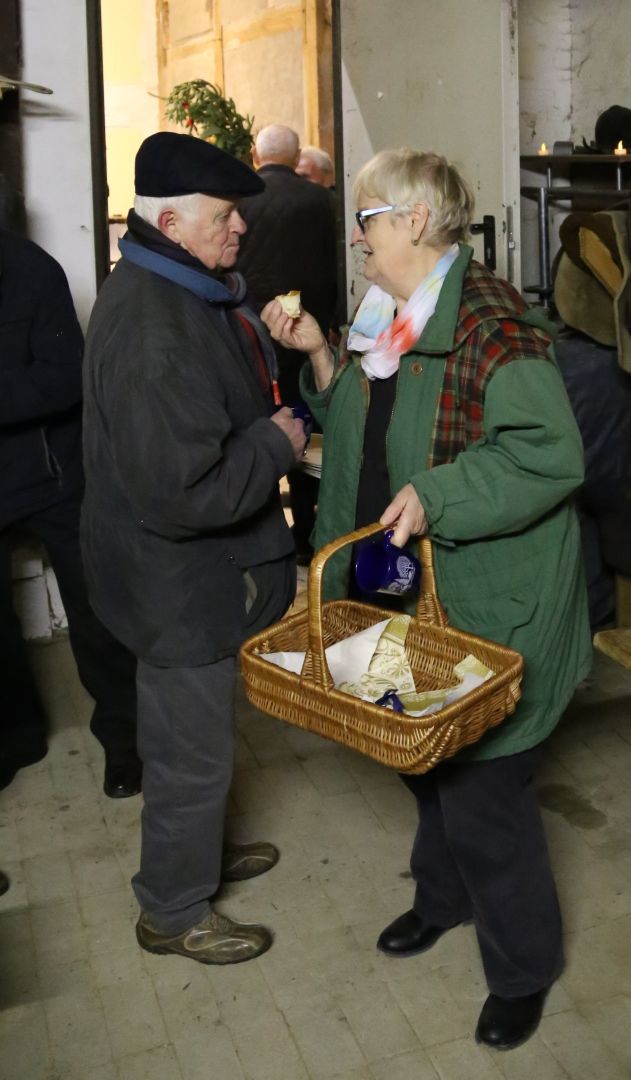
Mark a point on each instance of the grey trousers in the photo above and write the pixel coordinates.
(186, 742)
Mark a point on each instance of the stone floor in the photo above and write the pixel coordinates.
(80, 1001)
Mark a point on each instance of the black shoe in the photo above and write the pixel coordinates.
(409, 935)
(4, 883)
(122, 778)
(507, 1022)
(10, 764)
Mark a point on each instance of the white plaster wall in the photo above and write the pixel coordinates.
(601, 71)
(440, 77)
(545, 110)
(56, 141)
(545, 72)
(573, 64)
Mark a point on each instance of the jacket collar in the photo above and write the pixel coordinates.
(272, 166)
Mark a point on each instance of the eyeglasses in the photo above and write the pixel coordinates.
(362, 216)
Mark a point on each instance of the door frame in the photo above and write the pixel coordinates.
(97, 140)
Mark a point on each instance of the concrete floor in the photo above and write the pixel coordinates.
(80, 1001)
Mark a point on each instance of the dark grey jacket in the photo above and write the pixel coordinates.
(182, 468)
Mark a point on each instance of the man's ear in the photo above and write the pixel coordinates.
(167, 224)
(255, 158)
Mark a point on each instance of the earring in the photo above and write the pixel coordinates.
(416, 242)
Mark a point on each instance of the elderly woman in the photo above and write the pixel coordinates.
(445, 414)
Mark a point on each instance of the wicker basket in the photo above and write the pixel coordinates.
(407, 743)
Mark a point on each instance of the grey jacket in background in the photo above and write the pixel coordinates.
(182, 468)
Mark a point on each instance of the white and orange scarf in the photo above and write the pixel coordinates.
(382, 338)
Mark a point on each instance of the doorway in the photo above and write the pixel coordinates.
(276, 62)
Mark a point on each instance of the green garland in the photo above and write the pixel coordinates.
(202, 109)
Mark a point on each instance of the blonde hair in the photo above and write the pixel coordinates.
(405, 177)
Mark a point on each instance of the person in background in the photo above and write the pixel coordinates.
(41, 487)
(186, 546)
(316, 165)
(290, 245)
(445, 414)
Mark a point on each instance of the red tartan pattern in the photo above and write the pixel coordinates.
(486, 339)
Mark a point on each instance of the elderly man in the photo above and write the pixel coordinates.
(186, 547)
(290, 244)
(316, 165)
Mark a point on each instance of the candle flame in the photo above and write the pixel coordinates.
(543, 149)
(620, 149)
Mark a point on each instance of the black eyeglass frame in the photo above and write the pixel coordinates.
(363, 215)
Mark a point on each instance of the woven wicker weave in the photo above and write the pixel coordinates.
(407, 743)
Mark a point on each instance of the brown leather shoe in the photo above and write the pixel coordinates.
(215, 940)
(242, 861)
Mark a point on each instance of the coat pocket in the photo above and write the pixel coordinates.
(495, 617)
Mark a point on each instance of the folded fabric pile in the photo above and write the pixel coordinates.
(372, 665)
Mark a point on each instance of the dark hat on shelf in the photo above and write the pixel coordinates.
(168, 163)
(613, 125)
(592, 278)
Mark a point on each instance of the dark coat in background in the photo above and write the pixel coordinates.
(41, 484)
(40, 382)
(182, 516)
(290, 244)
(600, 395)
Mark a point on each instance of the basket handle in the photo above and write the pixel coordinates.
(428, 607)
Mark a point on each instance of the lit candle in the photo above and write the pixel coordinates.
(620, 150)
(543, 150)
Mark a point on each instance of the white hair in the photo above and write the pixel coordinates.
(277, 143)
(319, 157)
(149, 207)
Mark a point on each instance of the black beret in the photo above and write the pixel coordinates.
(171, 164)
(613, 125)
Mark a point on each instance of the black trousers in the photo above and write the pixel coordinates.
(303, 496)
(106, 668)
(480, 853)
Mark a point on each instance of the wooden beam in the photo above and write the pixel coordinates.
(310, 68)
(205, 43)
(220, 75)
(272, 21)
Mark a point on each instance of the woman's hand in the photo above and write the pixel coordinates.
(407, 511)
(302, 333)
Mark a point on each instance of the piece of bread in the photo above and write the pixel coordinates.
(290, 303)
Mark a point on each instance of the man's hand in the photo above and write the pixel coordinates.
(302, 333)
(407, 511)
(293, 429)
